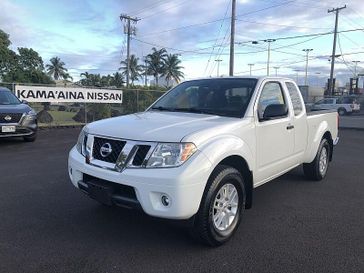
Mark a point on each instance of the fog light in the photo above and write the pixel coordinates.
(165, 200)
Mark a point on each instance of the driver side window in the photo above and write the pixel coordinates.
(272, 93)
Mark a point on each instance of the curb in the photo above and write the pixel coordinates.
(61, 127)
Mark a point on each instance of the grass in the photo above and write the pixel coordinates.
(61, 118)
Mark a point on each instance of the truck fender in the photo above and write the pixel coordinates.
(221, 147)
(313, 147)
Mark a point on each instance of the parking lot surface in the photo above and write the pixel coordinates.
(295, 225)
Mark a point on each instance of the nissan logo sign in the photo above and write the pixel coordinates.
(7, 118)
(105, 150)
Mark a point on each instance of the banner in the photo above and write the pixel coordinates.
(67, 94)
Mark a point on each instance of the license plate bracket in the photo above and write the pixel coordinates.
(100, 192)
(8, 129)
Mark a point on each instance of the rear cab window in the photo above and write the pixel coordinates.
(294, 93)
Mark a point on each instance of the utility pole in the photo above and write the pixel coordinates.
(250, 68)
(355, 67)
(269, 41)
(331, 82)
(128, 30)
(218, 66)
(232, 37)
(307, 50)
(276, 68)
(297, 71)
(145, 71)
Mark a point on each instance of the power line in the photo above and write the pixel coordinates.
(279, 25)
(198, 51)
(221, 19)
(164, 10)
(215, 43)
(342, 56)
(135, 13)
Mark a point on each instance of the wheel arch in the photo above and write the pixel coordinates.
(327, 135)
(239, 163)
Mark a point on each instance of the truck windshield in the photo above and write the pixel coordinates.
(8, 98)
(224, 97)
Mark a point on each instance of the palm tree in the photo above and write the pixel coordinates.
(135, 69)
(172, 68)
(56, 69)
(155, 63)
(118, 80)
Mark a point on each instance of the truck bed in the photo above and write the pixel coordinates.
(319, 112)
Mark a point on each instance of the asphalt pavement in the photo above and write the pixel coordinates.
(46, 225)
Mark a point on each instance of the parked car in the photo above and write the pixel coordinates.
(343, 105)
(199, 150)
(17, 118)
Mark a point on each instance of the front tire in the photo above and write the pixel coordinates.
(317, 169)
(221, 207)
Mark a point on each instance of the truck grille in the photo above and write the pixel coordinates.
(107, 149)
(10, 118)
(140, 155)
(122, 153)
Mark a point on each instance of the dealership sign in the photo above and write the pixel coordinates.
(67, 94)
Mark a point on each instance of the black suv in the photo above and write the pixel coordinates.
(17, 119)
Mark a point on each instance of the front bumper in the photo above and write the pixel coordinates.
(183, 185)
(25, 127)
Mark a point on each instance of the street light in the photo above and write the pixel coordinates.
(356, 65)
(218, 66)
(297, 70)
(307, 50)
(250, 68)
(276, 68)
(269, 41)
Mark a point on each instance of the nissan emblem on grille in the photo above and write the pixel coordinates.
(105, 150)
(7, 118)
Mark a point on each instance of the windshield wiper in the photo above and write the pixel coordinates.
(196, 110)
(161, 108)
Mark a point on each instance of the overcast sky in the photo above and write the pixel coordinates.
(88, 35)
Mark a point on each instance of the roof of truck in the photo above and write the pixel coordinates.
(244, 77)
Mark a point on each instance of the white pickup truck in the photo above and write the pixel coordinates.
(199, 150)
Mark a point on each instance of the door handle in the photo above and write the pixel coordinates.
(290, 127)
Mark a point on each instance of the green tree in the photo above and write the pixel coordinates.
(135, 69)
(118, 80)
(172, 69)
(155, 63)
(56, 69)
(24, 66)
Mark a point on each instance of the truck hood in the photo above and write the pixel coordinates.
(157, 126)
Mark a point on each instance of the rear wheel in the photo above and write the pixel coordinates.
(317, 169)
(221, 207)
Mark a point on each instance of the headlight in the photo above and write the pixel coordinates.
(170, 154)
(81, 142)
(31, 115)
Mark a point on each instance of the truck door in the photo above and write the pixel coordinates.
(299, 121)
(275, 136)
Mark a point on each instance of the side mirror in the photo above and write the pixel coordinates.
(273, 111)
(24, 102)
